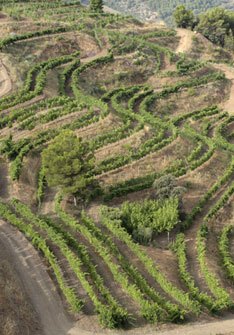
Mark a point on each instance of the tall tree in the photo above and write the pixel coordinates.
(216, 24)
(66, 161)
(96, 6)
(183, 17)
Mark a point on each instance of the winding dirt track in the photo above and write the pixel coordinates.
(185, 40)
(39, 286)
(5, 80)
(229, 73)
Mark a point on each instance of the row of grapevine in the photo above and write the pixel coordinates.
(198, 208)
(21, 114)
(31, 89)
(40, 243)
(220, 203)
(178, 168)
(183, 298)
(151, 311)
(174, 313)
(111, 314)
(223, 299)
(79, 95)
(179, 247)
(224, 249)
(12, 39)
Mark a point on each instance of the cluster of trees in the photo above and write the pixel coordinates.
(216, 24)
(145, 219)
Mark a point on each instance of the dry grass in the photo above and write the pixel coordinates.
(200, 180)
(122, 72)
(98, 128)
(153, 162)
(122, 147)
(191, 99)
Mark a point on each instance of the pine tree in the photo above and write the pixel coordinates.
(96, 6)
(66, 162)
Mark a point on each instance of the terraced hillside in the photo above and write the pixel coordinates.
(152, 247)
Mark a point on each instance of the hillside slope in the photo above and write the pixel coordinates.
(147, 244)
(156, 9)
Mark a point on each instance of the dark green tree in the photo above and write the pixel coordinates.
(183, 17)
(96, 6)
(216, 24)
(66, 162)
(229, 41)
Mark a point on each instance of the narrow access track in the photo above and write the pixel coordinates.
(185, 43)
(5, 80)
(39, 286)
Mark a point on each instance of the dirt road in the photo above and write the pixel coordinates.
(229, 73)
(39, 286)
(215, 328)
(185, 40)
(5, 80)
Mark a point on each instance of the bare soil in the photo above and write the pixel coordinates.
(95, 129)
(228, 105)
(153, 162)
(35, 281)
(5, 80)
(122, 146)
(185, 40)
(17, 315)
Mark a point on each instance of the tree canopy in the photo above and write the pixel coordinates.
(216, 24)
(66, 162)
(166, 187)
(183, 17)
(96, 5)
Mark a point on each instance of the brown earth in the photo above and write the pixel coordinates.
(34, 279)
(5, 80)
